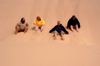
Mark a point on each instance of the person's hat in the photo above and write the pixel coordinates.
(58, 21)
(73, 16)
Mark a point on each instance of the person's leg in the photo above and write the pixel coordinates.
(71, 27)
(62, 34)
(25, 30)
(76, 27)
(55, 34)
(36, 28)
(17, 29)
(42, 27)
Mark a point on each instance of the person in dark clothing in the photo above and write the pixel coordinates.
(73, 23)
(58, 29)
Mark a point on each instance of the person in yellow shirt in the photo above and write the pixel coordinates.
(39, 23)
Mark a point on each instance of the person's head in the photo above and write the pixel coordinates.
(58, 23)
(73, 17)
(23, 20)
(38, 18)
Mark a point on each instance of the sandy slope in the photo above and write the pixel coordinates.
(39, 49)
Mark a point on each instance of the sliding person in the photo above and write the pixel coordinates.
(22, 26)
(39, 23)
(73, 23)
(58, 30)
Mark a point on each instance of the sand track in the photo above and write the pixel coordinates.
(39, 49)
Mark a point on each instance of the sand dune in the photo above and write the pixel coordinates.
(39, 49)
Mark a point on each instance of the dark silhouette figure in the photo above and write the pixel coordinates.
(58, 29)
(73, 23)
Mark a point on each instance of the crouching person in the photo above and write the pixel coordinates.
(39, 23)
(73, 23)
(58, 29)
(22, 26)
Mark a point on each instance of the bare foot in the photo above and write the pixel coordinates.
(55, 38)
(24, 32)
(77, 30)
(62, 38)
(72, 30)
(36, 31)
(16, 33)
(41, 30)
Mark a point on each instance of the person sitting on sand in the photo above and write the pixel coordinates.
(39, 23)
(58, 29)
(73, 23)
(22, 26)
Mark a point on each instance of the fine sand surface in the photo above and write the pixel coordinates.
(40, 49)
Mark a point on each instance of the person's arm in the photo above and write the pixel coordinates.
(53, 29)
(78, 23)
(34, 22)
(26, 24)
(68, 24)
(17, 25)
(43, 22)
(64, 29)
